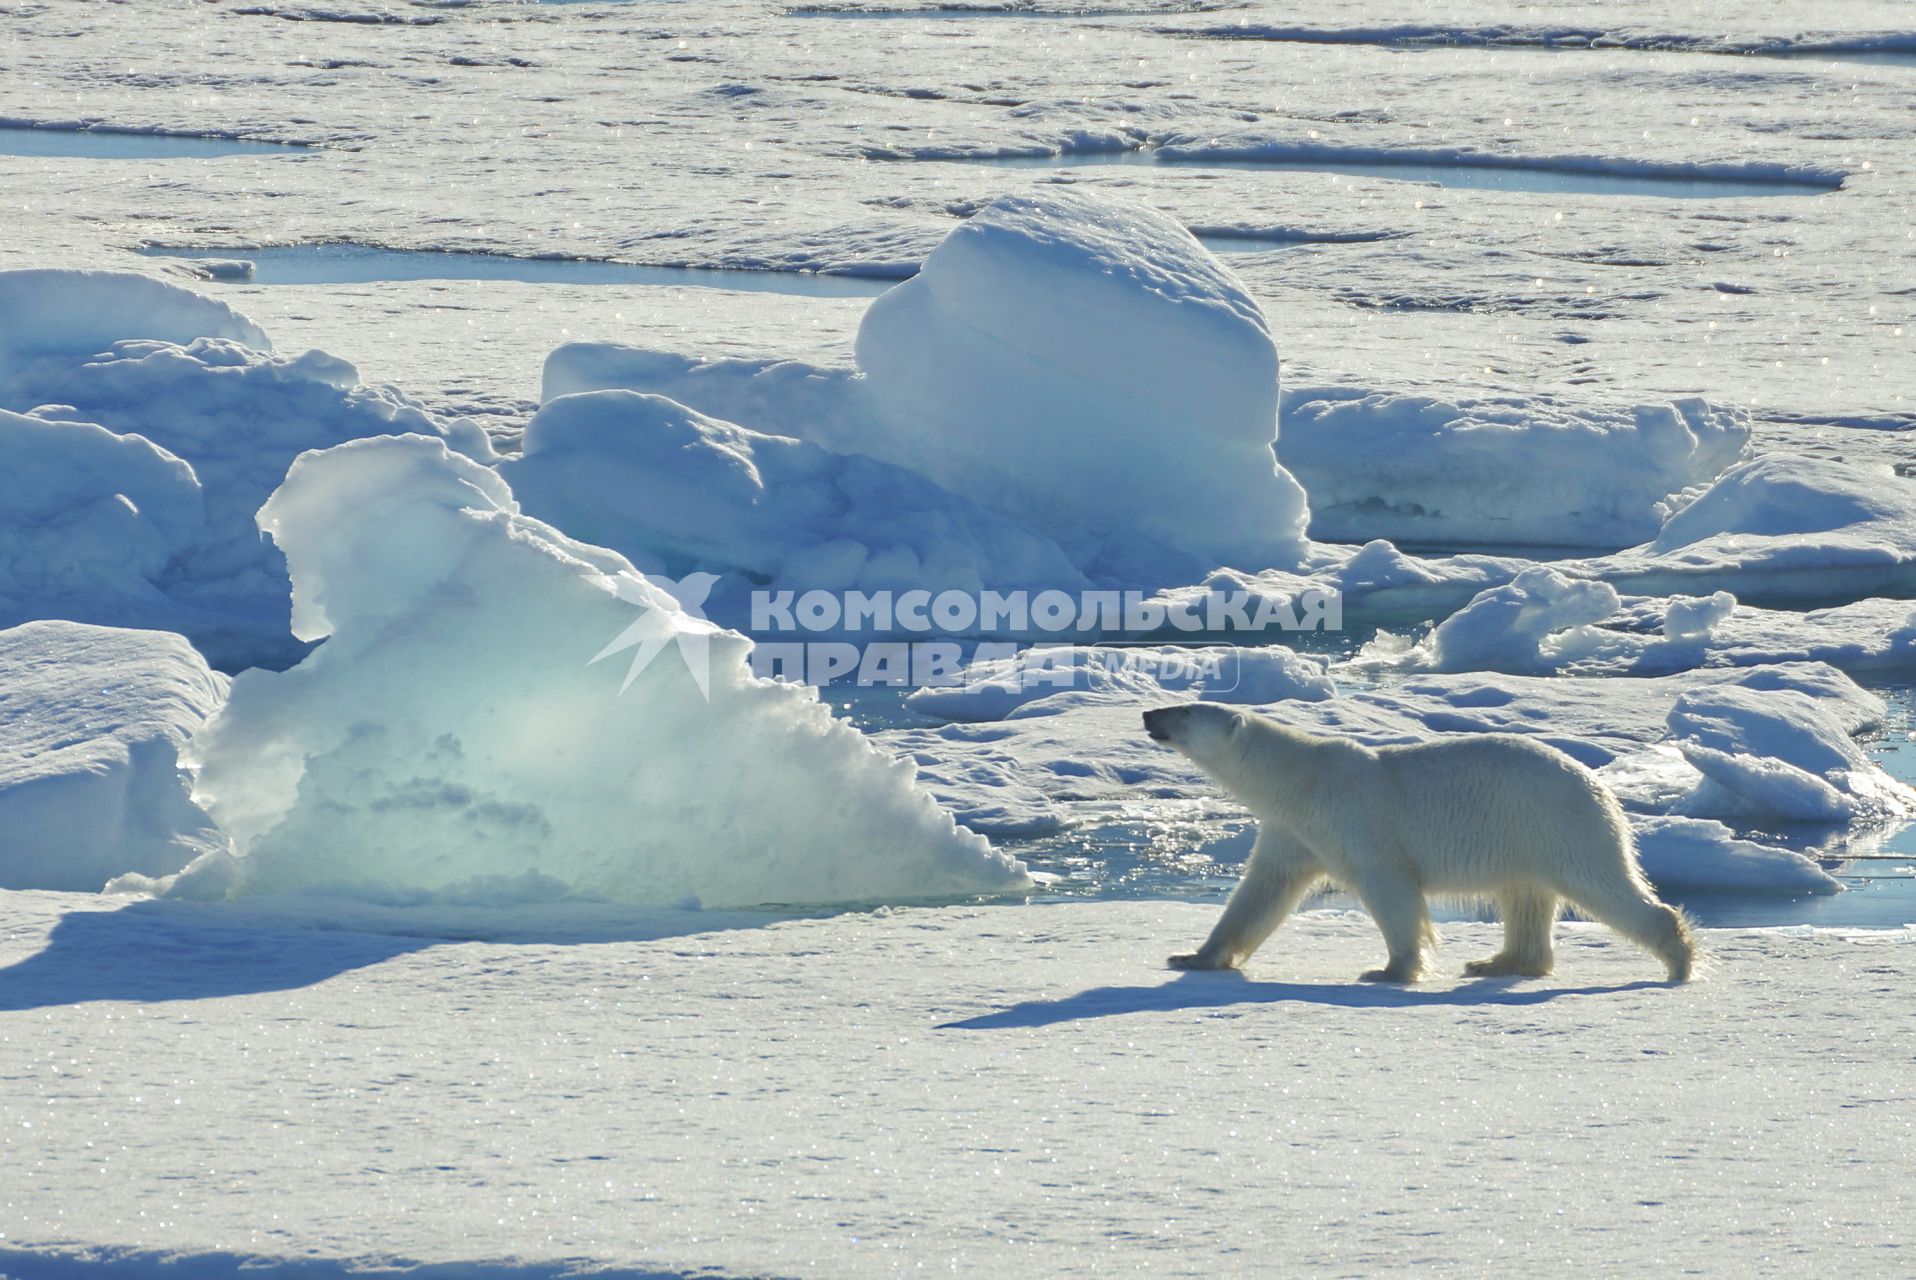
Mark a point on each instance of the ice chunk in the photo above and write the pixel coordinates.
(1526, 625)
(1779, 497)
(1500, 472)
(1033, 680)
(1697, 617)
(1695, 855)
(89, 521)
(1081, 365)
(455, 730)
(657, 481)
(92, 722)
(1778, 753)
(187, 376)
(1650, 636)
(1781, 530)
(1088, 367)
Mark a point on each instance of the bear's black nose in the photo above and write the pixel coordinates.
(1159, 721)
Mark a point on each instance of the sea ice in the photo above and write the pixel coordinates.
(996, 688)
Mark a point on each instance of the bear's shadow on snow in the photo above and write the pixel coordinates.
(1224, 990)
(153, 950)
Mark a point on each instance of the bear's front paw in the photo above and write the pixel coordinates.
(1195, 960)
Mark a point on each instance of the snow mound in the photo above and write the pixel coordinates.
(1697, 618)
(1088, 367)
(202, 394)
(456, 735)
(62, 313)
(1778, 753)
(92, 722)
(1495, 472)
(1028, 681)
(89, 521)
(659, 482)
(1781, 530)
(1529, 624)
(1081, 365)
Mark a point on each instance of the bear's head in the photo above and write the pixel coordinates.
(1203, 731)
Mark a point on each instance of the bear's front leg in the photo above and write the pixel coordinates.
(1276, 877)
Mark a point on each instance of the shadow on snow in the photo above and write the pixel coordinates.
(1225, 989)
(154, 950)
(108, 1263)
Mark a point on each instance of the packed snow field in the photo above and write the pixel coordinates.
(1010, 1090)
(429, 426)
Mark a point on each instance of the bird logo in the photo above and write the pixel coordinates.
(658, 625)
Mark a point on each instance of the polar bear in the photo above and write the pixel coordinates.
(1485, 816)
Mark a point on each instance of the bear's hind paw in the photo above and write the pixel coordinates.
(1194, 960)
(1505, 967)
(1401, 975)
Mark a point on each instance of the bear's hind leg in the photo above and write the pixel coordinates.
(1397, 905)
(1528, 915)
(1629, 907)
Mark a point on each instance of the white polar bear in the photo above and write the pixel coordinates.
(1492, 816)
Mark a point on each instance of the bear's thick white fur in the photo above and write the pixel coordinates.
(1494, 816)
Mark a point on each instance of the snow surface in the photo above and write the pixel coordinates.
(93, 721)
(1020, 1090)
(456, 735)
